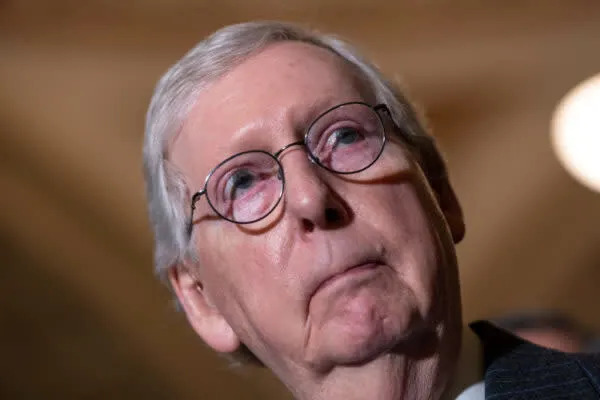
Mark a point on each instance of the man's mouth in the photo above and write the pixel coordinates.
(351, 272)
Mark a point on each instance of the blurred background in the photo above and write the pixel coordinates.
(81, 314)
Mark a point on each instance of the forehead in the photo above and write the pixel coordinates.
(282, 74)
(282, 86)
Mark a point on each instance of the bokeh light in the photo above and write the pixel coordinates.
(576, 132)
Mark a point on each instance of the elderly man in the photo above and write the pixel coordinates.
(304, 218)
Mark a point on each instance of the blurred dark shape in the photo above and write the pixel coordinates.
(552, 329)
(593, 346)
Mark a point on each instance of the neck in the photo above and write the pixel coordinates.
(389, 377)
(469, 368)
(416, 369)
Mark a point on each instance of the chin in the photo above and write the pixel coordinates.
(366, 335)
(365, 349)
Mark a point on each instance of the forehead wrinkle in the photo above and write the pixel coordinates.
(283, 126)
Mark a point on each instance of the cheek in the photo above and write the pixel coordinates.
(402, 217)
(224, 257)
(220, 269)
(254, 289)
(421, 249)
(434, 263)
(239, 268)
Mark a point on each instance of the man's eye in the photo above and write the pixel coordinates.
(346, 136)
(239, 182)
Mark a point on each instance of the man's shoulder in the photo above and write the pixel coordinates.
(517, 369)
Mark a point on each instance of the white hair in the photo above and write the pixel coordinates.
(180, 86)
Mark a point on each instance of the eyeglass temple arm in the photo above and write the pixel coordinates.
(410, 139)
(382, 107)
(195, 198)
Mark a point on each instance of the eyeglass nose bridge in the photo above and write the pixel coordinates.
(302, 143)
(287, 146)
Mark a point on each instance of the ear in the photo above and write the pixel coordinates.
(202, 314)
(450, 208)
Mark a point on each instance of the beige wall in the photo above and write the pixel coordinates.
(81, 313)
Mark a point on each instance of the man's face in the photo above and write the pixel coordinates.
(346, 267)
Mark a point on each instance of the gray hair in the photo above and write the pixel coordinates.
(177, 91)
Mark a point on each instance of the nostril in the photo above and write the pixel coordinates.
(332, 215)
(308, 225)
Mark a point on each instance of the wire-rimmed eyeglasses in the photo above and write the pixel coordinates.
(248, 186)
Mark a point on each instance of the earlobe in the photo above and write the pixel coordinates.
(201, 313)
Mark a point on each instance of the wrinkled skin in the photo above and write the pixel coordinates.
(365, 295)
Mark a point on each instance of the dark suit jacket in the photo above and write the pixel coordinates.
(519, 370)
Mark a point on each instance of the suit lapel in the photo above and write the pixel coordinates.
(516, 369)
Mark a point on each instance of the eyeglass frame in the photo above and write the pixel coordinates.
(196, 196)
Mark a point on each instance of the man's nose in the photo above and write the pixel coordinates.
(308, 197)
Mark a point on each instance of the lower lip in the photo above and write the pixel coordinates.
(352, 272)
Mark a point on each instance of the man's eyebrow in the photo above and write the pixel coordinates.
(318, 107)
(298, 117)
(249, 137)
